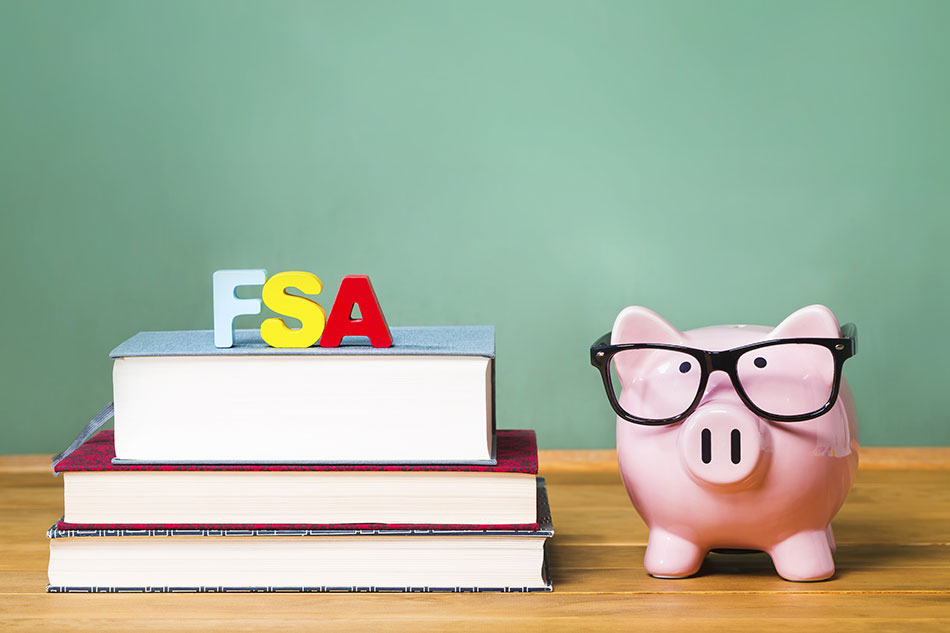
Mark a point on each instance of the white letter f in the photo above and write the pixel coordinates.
(227, 305)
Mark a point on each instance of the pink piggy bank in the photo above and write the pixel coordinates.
(734, 436)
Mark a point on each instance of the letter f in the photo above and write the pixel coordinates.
(226, 303)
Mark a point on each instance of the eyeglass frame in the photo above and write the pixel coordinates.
(843, 348)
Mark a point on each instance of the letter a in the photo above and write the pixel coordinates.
(356, 290)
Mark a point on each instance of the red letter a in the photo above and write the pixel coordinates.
(356, 290)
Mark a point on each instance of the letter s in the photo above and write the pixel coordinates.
(312, 317)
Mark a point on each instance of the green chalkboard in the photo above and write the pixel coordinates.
(532, 165)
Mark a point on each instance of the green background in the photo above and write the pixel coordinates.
(533, 165)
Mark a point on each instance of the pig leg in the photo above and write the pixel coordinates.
(831, 539)
(671, 556)
(804, 556)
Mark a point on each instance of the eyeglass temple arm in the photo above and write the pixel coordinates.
(603, 340)
(850, 331)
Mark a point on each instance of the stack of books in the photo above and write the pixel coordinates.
(253, 468)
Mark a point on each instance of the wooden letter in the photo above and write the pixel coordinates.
(226, 305)
(356, 290)
(312, 317)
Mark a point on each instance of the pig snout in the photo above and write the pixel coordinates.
(722, 444)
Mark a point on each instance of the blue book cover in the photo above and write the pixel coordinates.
(450, 340)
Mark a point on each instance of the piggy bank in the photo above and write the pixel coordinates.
(734, 436)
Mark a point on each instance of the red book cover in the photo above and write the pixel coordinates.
(517, 452)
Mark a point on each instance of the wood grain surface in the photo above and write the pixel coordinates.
(893, 565)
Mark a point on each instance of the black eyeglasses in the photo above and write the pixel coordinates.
(786, 380)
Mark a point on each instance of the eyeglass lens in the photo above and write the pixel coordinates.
(784, 379)
(656, 384)
(788, 379)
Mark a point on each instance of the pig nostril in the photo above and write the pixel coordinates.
(736, 446)
(707, 446)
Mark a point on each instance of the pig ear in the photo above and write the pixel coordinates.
(815, 321)
(640, 325)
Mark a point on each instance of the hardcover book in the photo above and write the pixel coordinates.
(271, 560)
(101, 493)
(428, 398)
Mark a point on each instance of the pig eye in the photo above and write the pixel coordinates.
(685, 367)
(760, 362)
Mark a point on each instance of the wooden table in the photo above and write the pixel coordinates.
(893, 569)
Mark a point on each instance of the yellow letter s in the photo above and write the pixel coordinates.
(312, 317)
